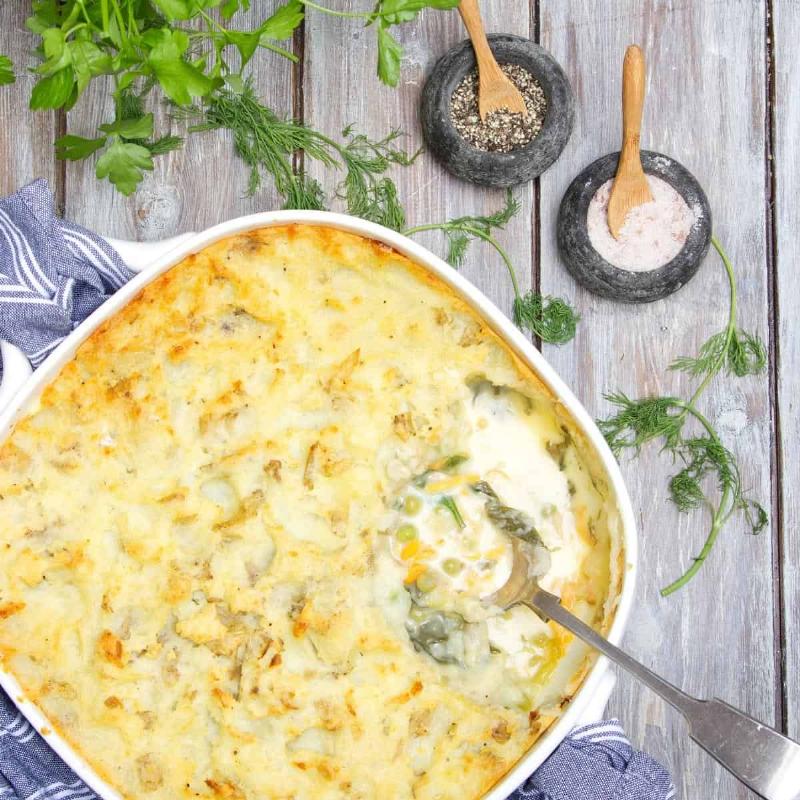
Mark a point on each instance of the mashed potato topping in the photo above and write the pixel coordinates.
(245, 534)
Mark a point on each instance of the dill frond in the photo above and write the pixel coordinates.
(640, 421)
(165, 144)
(710, 354)
(637, 422)
(267, 144)
(304, 192)
(552, 319)
(746, 354)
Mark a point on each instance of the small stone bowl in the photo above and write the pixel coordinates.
(591, 270)
(497, 169)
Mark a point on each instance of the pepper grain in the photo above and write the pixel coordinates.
(502, 131)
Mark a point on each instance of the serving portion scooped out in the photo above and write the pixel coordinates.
(242, 527)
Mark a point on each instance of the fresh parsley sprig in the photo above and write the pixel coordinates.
(180, 47)
(702, 456)
(384, 15)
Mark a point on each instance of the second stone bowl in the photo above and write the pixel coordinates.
(590, 269)
(490, 168)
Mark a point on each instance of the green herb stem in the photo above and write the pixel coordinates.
(718, 518)
(552, 319)
(450, 504)
(334, 13)
(478, 234)
(637, 422)
(730, 330)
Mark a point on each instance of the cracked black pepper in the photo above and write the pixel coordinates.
(503, 131)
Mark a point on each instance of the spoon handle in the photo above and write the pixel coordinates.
(760, 757)
(549, 605)
(488, 68)
(633, 83)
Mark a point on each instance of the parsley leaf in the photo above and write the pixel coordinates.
(53, 91)
(282, 24)
(132, 128)
(180, 80)
(6, 71)
(123, 163)
(389, 55)
(74, 148)
(387, 13)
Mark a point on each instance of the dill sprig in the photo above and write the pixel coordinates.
(552, 319)
(702, 456)
(267, 144)
(461, 231)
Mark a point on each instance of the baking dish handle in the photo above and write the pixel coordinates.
(137, 255)
(16, 370)
(596, 707)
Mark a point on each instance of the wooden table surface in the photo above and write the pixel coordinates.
(723, 99)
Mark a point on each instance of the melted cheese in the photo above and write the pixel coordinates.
(195, 582)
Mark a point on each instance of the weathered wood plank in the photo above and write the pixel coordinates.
(26, 138)
(340, 86)
(190, 189)
(706, 107)
(787, 280)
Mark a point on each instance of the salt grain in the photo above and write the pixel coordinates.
(653, 233)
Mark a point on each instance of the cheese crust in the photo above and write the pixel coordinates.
(197, 585)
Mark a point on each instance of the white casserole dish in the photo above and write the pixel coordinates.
(19, 386)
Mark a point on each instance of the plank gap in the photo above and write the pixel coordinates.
(60, 166)
(536, 203)
(773, 319)
(298, 98)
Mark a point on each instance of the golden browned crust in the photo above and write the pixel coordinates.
(189, 585)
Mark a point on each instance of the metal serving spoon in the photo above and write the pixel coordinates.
(760, 757)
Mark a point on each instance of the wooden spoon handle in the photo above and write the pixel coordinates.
(471, 15)
(633, 83)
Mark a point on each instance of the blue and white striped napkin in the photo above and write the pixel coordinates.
(595, 762)
(52, 275)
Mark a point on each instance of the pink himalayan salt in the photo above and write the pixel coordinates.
(653, 233)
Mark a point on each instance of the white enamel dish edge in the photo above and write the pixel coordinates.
(153, 259)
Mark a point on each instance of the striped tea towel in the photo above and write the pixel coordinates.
(595, 762)
(52, 275)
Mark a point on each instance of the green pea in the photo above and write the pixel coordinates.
(405, 533)
(412, 505)
(426, 582)
(452, 566)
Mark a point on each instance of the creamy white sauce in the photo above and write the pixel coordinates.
(453, 559)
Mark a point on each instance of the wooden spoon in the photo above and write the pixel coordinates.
(630, 187)
(495, 90)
